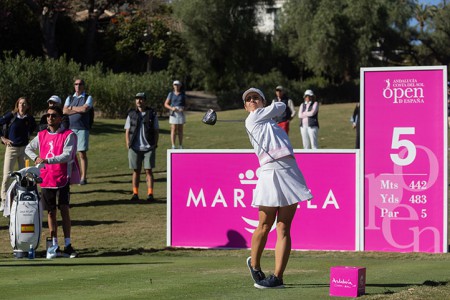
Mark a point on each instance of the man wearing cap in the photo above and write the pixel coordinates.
(141, 137)
(284, 119)
(52, 102)
(309, 120)
(77, 107)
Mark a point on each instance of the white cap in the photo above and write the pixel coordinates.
(176, 82)
(253, 90)
(308, 93)
(55, 99)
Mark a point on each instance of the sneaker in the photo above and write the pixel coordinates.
(52, 252)
(181, 147)
(135, 197)
(271, 282)
(150, 198)
(70, 252)
(257, 275)
(83, 181)
(173, 147)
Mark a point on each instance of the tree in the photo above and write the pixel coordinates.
(221, 40)
(335, 38)
(434, 37)
(423, 13)
(145, 31)
(47, 13)
(19, 28)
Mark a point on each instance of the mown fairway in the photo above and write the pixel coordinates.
(122, 245)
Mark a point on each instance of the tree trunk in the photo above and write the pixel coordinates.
(48, 26)
(149, 63)
(48, 18)
(91, 33)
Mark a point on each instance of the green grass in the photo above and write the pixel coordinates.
(123, 245)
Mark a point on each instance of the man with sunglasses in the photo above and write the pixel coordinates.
(57, 147)
(77, 107)
(53, 101)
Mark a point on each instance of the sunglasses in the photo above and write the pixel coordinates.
(80, 83)
(53, 116)
(252, 97)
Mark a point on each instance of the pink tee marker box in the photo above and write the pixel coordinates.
(347, 281)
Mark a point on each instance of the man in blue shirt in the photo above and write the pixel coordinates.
(77, 107)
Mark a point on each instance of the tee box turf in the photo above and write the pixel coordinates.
(347, 281)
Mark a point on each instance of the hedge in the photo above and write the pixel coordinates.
(113, 94)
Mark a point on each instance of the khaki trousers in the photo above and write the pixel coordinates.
(12, 154)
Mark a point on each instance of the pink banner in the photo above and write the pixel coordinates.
(210, 195)
(405, 159)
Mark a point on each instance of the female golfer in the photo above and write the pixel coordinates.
(280, 186)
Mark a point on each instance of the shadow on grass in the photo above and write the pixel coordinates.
(86, 223)
(105, 128)
(127, 180)
(382, 285)
(108, 128)
(74, 263)
(123, 252)
(127, 174)
(403, 285)
(118, 202)
(101, 191)
(305, 285)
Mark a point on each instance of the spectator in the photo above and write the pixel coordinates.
(280, 186)
(309, 120)
(57, 150)
(284, 119)
(17, 126)
(355, 124)
(141, 136)
(176, 102)
(77, 108)
(448, 104)
(53, 101)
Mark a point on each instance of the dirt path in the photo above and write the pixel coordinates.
(201, 101)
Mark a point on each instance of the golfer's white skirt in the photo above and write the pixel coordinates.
(280, 183)
(177, 117)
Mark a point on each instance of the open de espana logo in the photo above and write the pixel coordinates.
(404, 91)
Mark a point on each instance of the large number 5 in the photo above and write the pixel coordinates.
(397, 143)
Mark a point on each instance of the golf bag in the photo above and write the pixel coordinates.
(25, 224)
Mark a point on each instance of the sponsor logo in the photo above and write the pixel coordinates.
(248, 177)
(342, 282)
(404, 91)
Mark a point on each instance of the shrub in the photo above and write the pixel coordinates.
(35, 78)
(113, 94)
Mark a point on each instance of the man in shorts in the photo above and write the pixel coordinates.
(77, 107)
(57, 149)
(141, 136)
